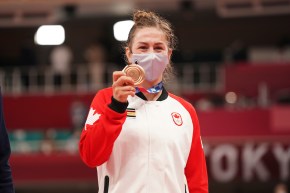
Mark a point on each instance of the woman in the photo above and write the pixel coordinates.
(144, 139)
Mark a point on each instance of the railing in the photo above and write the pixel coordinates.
(190, 77)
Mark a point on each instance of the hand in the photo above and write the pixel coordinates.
(123, 86)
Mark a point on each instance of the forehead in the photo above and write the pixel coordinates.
(149, 34)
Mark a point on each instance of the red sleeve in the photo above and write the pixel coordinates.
(102, 128)
(195, 170)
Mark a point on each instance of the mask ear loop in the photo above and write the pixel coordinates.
(126, 58)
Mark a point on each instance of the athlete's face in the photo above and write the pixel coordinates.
(149, 40)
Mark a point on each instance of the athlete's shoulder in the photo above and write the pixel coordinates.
(105, 92)
(103, 95)
(183, 102)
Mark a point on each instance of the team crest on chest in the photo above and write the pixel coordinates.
(177, 119)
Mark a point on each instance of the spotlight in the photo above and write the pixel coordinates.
(122, 29)
(49, 35)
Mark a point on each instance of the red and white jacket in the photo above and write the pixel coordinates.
(144, 146)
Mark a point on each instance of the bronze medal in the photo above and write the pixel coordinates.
(136, 72)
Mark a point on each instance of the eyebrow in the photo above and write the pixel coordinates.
(158, 43)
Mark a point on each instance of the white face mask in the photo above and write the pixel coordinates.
(153, 64)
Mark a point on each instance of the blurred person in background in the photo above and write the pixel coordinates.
(281, 188)
(95, 55)
(6, 183)
(61, 58)
(145, 139)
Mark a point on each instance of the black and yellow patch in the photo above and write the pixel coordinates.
(131, 112)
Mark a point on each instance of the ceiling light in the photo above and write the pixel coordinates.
(50, 35)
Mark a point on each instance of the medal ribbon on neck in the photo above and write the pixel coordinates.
(154, 89)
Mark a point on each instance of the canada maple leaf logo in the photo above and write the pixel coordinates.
(92, 117)
(177, 119)
(176, 116)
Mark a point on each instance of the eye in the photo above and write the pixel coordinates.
(142, 47)
(159, 48)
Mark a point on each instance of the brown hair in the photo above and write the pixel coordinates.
(143, 19)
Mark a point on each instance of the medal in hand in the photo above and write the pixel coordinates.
(136, 72)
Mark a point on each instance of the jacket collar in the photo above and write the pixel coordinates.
(162, 97)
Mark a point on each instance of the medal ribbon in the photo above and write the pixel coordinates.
(154, 89)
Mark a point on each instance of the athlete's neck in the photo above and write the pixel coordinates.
(152, 96)
(147, 84)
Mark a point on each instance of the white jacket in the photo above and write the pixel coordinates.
(152, 147)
